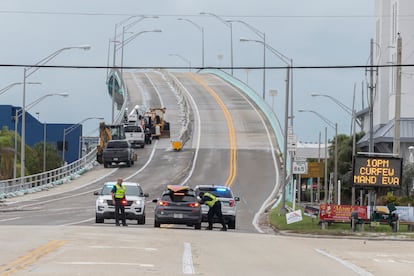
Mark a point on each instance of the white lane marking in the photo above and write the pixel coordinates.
(123, 247)
(8, 219)
(349, 265)
(269, 200)
(156, 89)
(198, 127)
(106, 263)
(146, 164)
(188, 267)
(77, 222)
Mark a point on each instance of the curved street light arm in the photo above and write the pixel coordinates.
(32, 69)
(326, 120)
(225, 22)
(129, 39)
(191, 22)
(282, 57)
(253, 29)
(132, 24)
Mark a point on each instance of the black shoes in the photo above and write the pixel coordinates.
(223, 229)
(209, 228)
(124, 224)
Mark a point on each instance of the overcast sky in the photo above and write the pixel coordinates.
(311, 33)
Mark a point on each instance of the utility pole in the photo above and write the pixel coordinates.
(371, 99)
(397, 119)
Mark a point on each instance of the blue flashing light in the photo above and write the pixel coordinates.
(221, 189)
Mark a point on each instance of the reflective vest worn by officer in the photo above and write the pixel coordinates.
(211, 201)
(120, 191)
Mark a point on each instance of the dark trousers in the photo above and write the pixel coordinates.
(215, 210)
(119, 211)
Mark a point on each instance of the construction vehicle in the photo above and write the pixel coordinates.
(108, 133)
(155, 122)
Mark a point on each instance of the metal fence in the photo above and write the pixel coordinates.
(46, 180)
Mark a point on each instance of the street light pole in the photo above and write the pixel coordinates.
(68, 130)
(16, 120)
(183, 58)
(335, 127)
(123, 43)
(289, 63)
(27, 72)
(202, 37)
(231, 35)
(262, 35)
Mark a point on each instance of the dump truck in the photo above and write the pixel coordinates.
(156, 123)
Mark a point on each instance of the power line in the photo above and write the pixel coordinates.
(210, 67)
(192, 15)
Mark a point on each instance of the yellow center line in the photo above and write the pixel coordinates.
(30, 258)
(232, 133)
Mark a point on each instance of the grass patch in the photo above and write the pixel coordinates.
(310, 225)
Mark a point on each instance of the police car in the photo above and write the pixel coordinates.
(134, 205)
(228, 203)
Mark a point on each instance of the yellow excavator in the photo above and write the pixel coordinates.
(107, 133)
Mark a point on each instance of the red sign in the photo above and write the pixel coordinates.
(332, 212)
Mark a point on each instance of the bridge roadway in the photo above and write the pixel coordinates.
(54, 232)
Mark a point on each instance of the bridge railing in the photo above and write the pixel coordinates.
(46, 180)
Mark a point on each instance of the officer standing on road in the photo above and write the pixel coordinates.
(214, 205)
(118, 194)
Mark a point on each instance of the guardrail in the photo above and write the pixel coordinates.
(183, 104)
(46, 180)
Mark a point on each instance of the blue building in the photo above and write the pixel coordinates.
(35, 131)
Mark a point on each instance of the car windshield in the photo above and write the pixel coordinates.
(216, 191)
(117, 144)
(179, 198)
(130, 190)
(132, 129)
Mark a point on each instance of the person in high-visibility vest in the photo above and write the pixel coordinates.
(214, 205)
(118, 199)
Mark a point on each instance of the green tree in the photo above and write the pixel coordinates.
(6, 153)
(35, 159)
(344, 162)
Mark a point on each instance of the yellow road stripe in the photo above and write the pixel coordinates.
(30, 258)
(232, 133)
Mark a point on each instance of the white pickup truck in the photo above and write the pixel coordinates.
(135, 135)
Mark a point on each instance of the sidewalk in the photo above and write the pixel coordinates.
(90, 176)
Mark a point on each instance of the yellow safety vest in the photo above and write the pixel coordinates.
(120, 191)
(212, 200)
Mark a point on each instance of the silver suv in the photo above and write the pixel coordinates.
(134, 209)
(228, 203)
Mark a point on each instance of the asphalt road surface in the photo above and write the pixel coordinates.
(54, 232)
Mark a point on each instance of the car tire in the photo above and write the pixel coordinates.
(156, 224)
(99, 220)
(142, 146)
(197, 226)
(141, 220)
(232, 224)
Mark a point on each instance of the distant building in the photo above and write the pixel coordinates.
(35, 131)
(393, 20)
(311, 150)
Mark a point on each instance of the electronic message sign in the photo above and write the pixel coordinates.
(377, 171)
